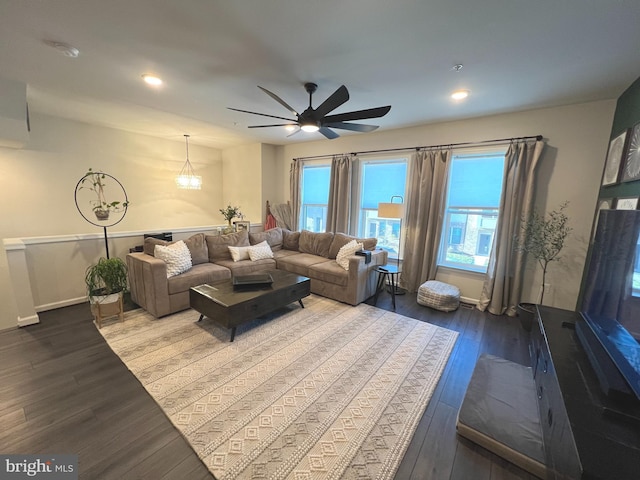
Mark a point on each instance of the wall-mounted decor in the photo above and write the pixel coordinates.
(242, 225)
(631, 165)
(627, 203)
(603, 204)
(614, 158)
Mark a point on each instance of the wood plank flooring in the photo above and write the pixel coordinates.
(62, 390)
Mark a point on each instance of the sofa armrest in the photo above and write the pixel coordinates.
(362, 281)
(148, 283)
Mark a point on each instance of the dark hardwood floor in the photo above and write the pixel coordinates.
(62, 390)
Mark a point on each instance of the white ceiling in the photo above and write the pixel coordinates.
(517, 54)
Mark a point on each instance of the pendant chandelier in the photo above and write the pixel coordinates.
(187, 179)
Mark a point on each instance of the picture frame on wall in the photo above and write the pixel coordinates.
(242, 225)
(631, 164)
(627, 203)
(615, 155)
(603, 204)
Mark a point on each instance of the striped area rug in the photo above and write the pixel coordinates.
(328, 391)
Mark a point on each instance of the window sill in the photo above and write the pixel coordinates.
(470, 271)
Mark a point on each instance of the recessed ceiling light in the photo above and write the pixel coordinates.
(152, 79)
(460, 94)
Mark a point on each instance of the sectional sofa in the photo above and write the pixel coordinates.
(305, 253)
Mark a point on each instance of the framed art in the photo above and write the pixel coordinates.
(627, 203)
(603, 204)
(631, 164)
(614, 158)
(242, 225)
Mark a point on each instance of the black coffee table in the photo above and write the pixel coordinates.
(230, 307)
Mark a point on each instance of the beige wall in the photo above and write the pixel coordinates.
(37, 184)
(577, 138)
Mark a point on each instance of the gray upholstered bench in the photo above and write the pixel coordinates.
(439, 295)
(500, 413)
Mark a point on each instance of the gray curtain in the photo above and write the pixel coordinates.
(503, 283)
(295, 173)
(339, 207)
(424, 215)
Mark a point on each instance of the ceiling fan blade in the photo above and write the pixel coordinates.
(274, 125)
(279, 100)
(337, 98)
(356, 127)
(327, 132)
(294, 132)
(358, 114)
(263, 114)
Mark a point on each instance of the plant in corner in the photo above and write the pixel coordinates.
(106, 283)
(94, 181)
(542, 238)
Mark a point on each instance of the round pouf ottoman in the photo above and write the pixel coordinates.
(439, 295)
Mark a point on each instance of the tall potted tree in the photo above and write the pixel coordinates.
(542, 238)
(106, 283)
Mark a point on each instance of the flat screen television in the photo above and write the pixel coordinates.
(610, 305)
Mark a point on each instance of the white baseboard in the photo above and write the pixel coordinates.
(60, 304)
(472, 301)
(30, 320)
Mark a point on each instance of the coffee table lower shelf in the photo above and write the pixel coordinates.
(230, 308)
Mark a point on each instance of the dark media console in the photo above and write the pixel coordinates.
(587, 434)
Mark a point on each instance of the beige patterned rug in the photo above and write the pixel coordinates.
(330, 391)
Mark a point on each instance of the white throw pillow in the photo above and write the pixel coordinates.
(239, 253)
(346, 251)
(176, 256)
(260, 251)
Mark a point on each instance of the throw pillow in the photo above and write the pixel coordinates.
(239, 253)
(217, 244)
(315, 243)
(346, 251)
(290, 240)
(176, 256)
(272, 236)
(198, 248)
(260, 251)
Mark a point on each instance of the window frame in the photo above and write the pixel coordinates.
(485, 211)
(359, 214)
(309, 164)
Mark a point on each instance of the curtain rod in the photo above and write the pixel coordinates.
(450, 145)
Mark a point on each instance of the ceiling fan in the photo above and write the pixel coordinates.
(314, 120)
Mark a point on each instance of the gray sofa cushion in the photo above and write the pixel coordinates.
(315, 243)
(341, 239)
(195, 243)
(198, 248)
(329, 272)
(197, 275)
(299, 263)
(246, 267)
(272, 236)
(218, 244)
(290, 240)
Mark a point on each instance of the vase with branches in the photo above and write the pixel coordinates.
(229, 213)
(542, 238)
(95, 182)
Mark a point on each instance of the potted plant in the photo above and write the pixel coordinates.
(542, 238)
(94, 181)
(106, 283)
(229, 213)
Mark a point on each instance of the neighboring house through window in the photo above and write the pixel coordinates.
(314, 196)
(379, 181)
(471, 214)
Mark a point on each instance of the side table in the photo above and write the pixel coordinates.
(391, 274)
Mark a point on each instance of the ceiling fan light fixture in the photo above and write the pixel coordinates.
(152, 80)
(460, 94)
(290, 128)
(309, 127)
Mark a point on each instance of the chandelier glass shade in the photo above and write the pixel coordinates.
(187, 179)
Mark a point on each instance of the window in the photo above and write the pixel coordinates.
(471, 214)
(314, 197)
(379, 181)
